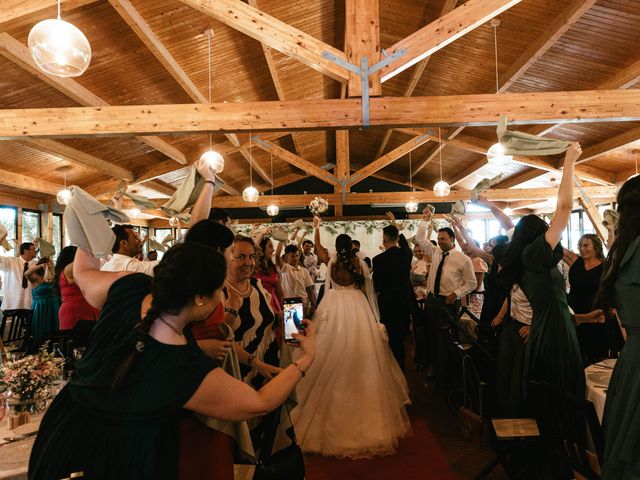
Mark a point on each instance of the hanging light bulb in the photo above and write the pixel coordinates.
(442, 188)
(59, 48)
(64, 196)
(496, 156)
(411, 207)
(273, 210)
(134, 213)
(250, 194)
(508, 211)
(213, 159)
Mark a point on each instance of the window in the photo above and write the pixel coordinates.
(575, 229)
(9, 219)
(30, 225)
(57, 232)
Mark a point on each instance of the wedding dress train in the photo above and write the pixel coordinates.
(352, 400)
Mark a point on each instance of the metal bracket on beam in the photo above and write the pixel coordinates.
(363, 72)
(344, 183)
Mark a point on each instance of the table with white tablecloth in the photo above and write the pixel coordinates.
(598, 376)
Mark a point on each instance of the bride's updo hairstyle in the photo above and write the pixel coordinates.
(346, 257)
(186, 270)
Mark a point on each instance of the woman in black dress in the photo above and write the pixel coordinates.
(118, 417)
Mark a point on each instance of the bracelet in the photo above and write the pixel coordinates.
(251, 358)
(231, 310)
(297, 365)
(211, 182)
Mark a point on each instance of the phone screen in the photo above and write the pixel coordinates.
(293, 316)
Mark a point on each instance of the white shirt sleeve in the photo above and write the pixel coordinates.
(469, 278)
(421, 238)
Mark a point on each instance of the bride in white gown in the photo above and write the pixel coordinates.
(352, 403)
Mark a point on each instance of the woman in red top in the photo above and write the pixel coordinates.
(267, 273)
(74, 306)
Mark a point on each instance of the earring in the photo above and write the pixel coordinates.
(200, 304)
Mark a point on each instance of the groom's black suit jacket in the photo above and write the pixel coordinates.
(391, 281)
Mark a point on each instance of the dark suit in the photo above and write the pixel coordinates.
(395, 296)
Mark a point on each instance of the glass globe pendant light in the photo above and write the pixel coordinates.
(213, 159)
(134, 213)
(411, 207)
(250, 194)
(495, 154)
(442, 188)
(59, 48)
(64, 196)
(272, 210)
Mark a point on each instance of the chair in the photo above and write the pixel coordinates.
(15, 330)
(570, 429)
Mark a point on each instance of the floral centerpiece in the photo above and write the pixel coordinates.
(28, 379)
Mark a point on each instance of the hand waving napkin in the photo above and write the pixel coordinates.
(140, 201)
(186, 195)
(46, 249)
(155, 245)
(484, 184)
(458, 209)
(3, 238)
(610, 219)
(520, 143)
(86, 221)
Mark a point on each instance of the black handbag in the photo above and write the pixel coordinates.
(287, 463)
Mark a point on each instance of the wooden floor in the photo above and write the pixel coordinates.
(466, 457)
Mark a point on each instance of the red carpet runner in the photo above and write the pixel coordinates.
(419, 457)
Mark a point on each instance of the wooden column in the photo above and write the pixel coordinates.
(362, 39)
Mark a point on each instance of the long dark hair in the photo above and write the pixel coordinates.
(347, 258)
(627, 231)
(186, 270)
(67, 254)
(527, 230)
(264, 265)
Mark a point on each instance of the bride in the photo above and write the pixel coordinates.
(353, 405)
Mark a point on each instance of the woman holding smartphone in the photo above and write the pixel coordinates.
(353, 404)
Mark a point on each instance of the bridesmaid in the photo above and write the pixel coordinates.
(620, 288)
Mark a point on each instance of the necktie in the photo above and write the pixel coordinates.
(436, 287)
(25, 284)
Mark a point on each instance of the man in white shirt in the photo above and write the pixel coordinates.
(17, 289)
(310, 259)
(450, 278)
(128, 244)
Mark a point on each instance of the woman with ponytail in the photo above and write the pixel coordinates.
(118, 417)
(620, 289)
(356, 368)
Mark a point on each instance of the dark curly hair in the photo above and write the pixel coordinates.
(347, 258)
(264, 264)
(67, 254)
(186, 270)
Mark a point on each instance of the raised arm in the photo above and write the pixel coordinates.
(503, 218)
(323, 253)
(569, 257)
(93, 283)
(200, 210)
(423, 234)
(278, 255)
(565, 197)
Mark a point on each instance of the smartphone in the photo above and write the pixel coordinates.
(293, 316)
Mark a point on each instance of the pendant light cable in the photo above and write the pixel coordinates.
(251, 163)
(440, 152)
(495, 25)
(58, 9)
(271, 161)
(410, 175)
(209, 35)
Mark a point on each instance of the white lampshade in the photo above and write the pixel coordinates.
(59, 48)
(64, 196)
(508, 211)
(496, 156)
(411, 207)
(273, 210)
(174, 222)
(441, 189)
(214, 160)
(250, 194)
(134, 213)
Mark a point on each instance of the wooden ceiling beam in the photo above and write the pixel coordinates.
(362, 39)
(529, 173)
(275, 34)
(296, 161)
(477, 110)
(387, 159)
(247, 154)
(403, 197)
(619, 141)
(13, 10)
(19, 54)
(30, 184)
(416, 75)
(467, 172)
(77, 157)
(160, 187)
(442, 32)
(343, 167)
(428, 159)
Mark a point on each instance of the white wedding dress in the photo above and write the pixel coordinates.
(352, 400)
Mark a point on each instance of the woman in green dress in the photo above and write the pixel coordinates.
(45, 302)
(552, 353)
(118, 417)
(620, 288)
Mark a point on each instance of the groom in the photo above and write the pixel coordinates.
(391, 281)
